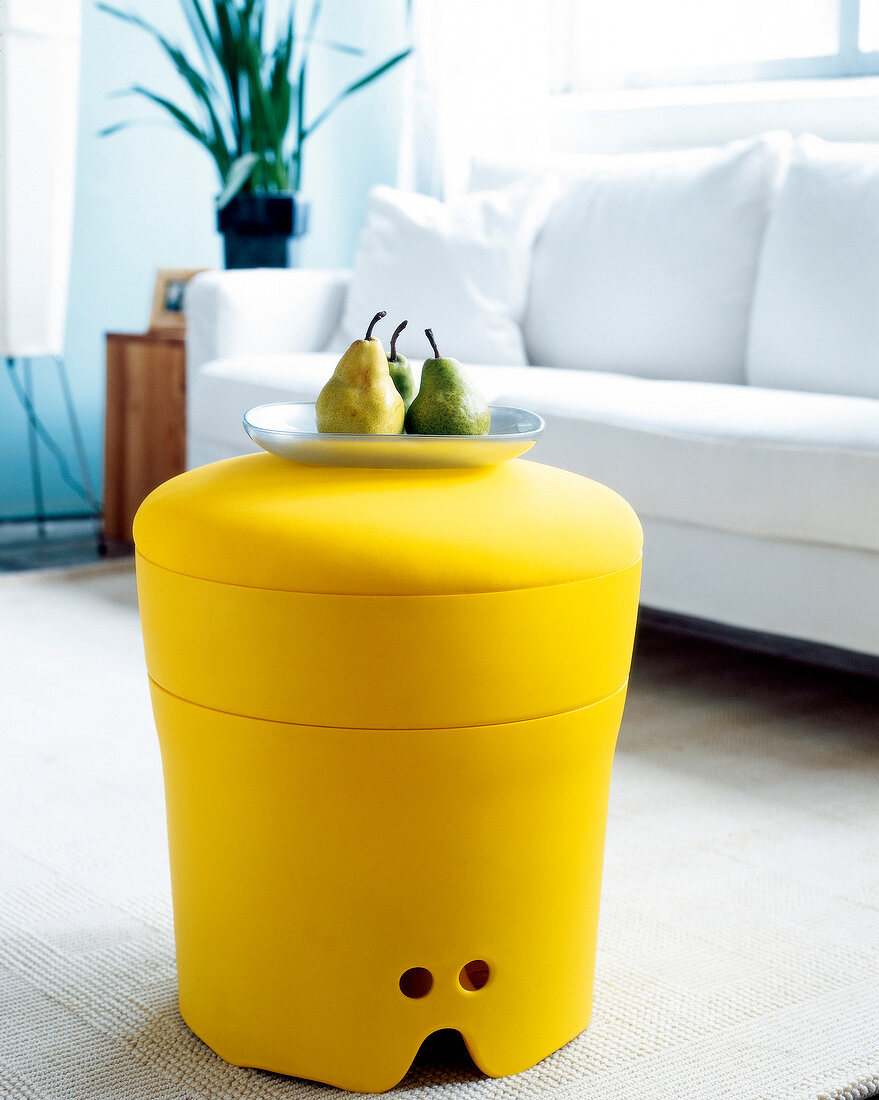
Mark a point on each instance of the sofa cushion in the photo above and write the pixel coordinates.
(646, 264)
(770, 463)
(762, 462)
(815, 322)
(461, 268)
(222, 391)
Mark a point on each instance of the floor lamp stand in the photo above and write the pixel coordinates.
(37, 433)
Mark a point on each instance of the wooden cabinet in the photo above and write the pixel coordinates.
(145, 424)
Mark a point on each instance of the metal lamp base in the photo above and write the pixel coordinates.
(37, 433)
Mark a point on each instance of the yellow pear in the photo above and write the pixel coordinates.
(360, 398)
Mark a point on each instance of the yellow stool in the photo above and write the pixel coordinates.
(387, 702)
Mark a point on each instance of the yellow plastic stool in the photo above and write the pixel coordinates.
(387, 702)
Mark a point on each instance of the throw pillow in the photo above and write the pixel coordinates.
(815, 324)
(460, 268)
(647, 262)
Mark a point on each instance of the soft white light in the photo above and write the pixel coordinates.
(39, 77)
(630, 35)
(869, 27)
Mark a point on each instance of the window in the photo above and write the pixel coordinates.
(639, 43)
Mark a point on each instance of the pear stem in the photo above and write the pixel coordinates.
(373, 322)
(397, 332)
(429, 335)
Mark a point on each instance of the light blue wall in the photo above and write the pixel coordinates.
(144, 201)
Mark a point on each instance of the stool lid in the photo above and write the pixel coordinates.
(262, 522)
(510, 590)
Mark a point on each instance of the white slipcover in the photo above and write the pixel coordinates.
(760, 501)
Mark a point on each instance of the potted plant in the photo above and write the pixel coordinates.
(248, 90)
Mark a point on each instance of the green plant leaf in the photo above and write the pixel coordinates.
(282, 99)
(197, 81)
(313, 17)
(237, 177)
(201, 32)
(261, 116)
(215, 52)
(178, 114)
(308, 40)
(199, 86)
(293, 170)
(126, 16)
(269, 115)
(361, 83)
(339, 47)
(280, 86)
(126, 125)
(229, 60)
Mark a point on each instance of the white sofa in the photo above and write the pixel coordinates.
(704, 334)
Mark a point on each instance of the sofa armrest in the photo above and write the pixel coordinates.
(261, 311)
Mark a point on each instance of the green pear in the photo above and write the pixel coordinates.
(401, 371)
(360, 398)
(447, 403)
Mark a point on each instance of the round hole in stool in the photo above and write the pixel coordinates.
(416, 982)
(474, 975)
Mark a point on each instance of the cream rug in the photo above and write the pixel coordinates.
(739, 946)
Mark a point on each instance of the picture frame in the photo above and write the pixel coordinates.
(166, 314)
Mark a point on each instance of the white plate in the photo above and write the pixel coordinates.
(290, 431)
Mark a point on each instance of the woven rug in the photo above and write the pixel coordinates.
(739, 942)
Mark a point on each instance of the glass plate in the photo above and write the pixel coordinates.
(289, 431)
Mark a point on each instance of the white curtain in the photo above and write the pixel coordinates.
(478, 86)
(39, 79)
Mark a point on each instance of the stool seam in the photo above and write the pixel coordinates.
(389, 729)
(391, 595)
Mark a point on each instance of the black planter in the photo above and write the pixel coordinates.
(263, 230)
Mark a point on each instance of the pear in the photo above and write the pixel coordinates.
(447, 403)
(401, 372)
(360, 397)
